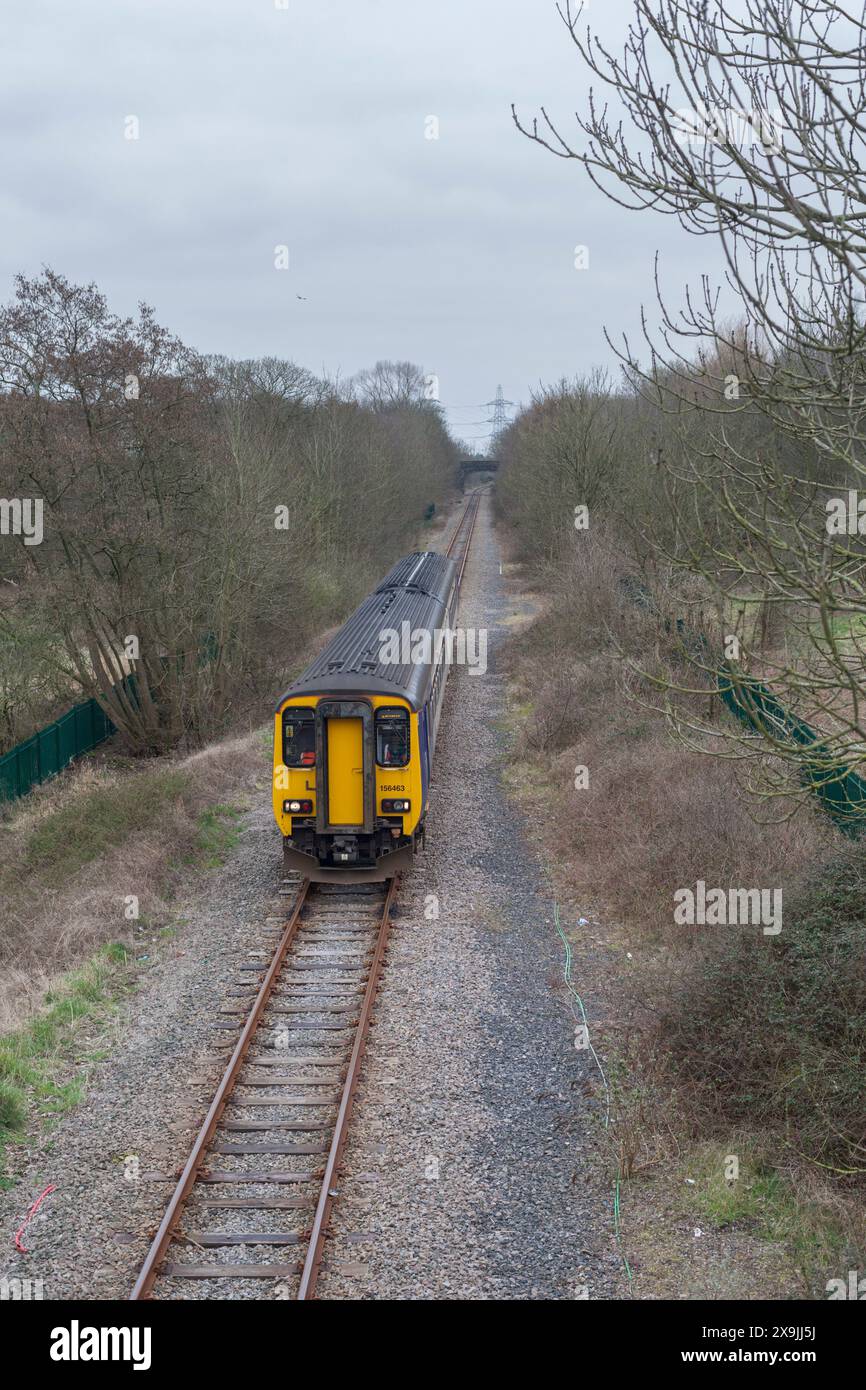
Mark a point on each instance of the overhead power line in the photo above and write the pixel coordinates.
(500, 418)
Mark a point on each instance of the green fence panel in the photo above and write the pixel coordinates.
(66, 738)
(841, 791)
(28, 764)
(82, 727)
(53, 748)
(104, 727)
(48, 748)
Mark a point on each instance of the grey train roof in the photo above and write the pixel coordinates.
(425, 572)
(414, 591)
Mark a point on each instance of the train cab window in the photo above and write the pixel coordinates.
(299, 738)
(392, 737)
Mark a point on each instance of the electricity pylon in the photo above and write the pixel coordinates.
(499, 418)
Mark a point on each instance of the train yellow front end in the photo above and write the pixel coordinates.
(348, 789)
(354, 737)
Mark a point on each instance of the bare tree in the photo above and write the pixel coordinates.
(99, 419)
(562, 452)
(746, 122)
(201, 516)
(389, 384)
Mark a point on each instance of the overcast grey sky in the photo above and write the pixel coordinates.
(305, 126)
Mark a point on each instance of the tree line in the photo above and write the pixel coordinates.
(202, 517)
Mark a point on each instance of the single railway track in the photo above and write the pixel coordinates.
(458, 548)
(285, 1098)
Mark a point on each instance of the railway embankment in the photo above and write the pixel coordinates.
(731, 1052)
(97, 866)
(94, 866)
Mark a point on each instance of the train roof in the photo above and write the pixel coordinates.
(414, 591)
(423, 572)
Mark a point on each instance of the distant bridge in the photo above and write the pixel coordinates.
(475, 465)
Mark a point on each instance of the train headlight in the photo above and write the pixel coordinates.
(398, 805)
(298, 808)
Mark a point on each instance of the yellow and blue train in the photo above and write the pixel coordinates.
(354, 736)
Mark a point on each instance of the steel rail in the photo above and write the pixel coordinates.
(312, 1264)
(467, 526)
(468, 542)
(167, 1227)
(460, 525)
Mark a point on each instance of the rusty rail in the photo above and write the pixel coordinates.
(312, 1264)
(194, 1171)
(186, 1182)
(458, 548)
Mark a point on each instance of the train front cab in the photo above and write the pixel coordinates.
(350, 784)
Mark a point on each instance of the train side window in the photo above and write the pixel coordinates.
(392, 737)
(299, 738)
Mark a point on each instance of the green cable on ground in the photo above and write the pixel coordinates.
(568, 980)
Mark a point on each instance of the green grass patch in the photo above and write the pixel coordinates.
(33, 1058)
(13, 1110)
(218, 833)
(765, 1201)
(68, 839)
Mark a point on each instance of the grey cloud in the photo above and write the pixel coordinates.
(306, 127)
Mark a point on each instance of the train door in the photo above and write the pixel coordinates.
(424, 751)
(346, 771)
(345, 735)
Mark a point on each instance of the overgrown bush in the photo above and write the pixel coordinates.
(772, 1030)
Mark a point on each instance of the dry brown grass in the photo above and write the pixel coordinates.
(714, 1029)
(657, 817)
(80, 845)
